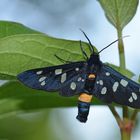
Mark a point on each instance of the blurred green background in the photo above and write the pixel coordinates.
(63, 19)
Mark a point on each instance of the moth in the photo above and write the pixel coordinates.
(86, 78)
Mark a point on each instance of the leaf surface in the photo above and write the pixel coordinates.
(119, 12)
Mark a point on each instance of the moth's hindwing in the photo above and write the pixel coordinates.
(111, 86)
(68, 79)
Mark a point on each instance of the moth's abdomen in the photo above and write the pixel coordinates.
(83, 106)
(83, 111)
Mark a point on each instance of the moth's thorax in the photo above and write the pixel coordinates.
(92, 68)
(93, 63)
(94, 59)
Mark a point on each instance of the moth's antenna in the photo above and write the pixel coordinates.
(112, 43)
(84, 53)
(90, 44)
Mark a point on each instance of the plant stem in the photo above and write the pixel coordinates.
(126, 128)
(125, 135)
(126, 125)
(122, 63)
(134, 115)
(115, 114)
(125, 112)
(121, 50)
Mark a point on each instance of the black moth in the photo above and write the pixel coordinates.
(86, 78)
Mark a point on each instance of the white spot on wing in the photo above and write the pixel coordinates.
(107, 74)
(124, 82)
(83, 80)
(42, 79)
(97, 82)
(77, 69)
(130, 99)
(73, 86)
(63, 77)
(43, 83)
(39, 72)
(79, 79)
(104, 90)
(58, 71)
(115, 86)
(101, 82)
(134, 96)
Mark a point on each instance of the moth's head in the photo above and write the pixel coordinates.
(94, 59)
(94, 56)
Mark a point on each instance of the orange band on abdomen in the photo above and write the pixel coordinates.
(84, 97)
(91, 76)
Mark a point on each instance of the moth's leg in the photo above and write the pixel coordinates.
(83, 106)
(62, 60)
(84, 53)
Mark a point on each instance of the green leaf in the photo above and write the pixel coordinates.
(139, 79)
(28, 126)
(16, 97)
(119, 12)
(8, 28)
(22, 50)
(125, 72)
(26, 49)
